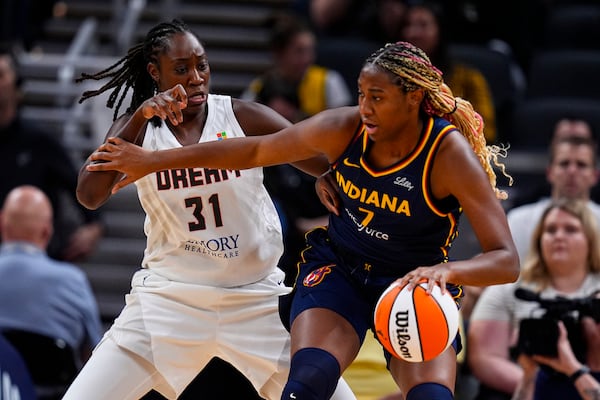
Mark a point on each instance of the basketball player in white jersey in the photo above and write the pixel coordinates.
(209, 285)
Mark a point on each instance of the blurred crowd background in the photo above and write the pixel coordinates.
(525, 64)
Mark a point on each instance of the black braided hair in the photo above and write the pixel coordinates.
(130, 71)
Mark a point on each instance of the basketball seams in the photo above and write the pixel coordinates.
(442, 307)
(414, 326)
(386, 302)
(390, 332)
(441, 311)
(417, 322)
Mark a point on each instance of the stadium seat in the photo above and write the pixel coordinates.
(573, 26)
(502, 74)
(15, 382)
(52, 363)
(345, 56)
(564, 73)
(534, 119)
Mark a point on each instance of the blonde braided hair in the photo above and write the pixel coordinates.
(414, 70)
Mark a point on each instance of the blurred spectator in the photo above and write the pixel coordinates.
(385, 21)
(296, 88)
(565, 127)
(572, 172)
(331, 18)
(564, 260)
(39, 294)
(31, 156)
(572, 127)
(22, 22)
(426, 28)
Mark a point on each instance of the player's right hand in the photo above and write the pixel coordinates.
(167, 104)
(327, 191)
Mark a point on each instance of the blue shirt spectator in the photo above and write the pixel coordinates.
(38, 293)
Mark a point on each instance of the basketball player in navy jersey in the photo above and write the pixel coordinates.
(209, 284)
(407, 161)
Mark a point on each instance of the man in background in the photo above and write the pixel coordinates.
(37, 293)
(572, 172)
(30, 156)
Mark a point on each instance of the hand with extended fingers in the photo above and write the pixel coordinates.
(167, 104)
(119, 155)
(435, 275)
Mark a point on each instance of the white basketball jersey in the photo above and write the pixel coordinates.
(208, 226)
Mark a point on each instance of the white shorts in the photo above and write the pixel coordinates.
(179, 327)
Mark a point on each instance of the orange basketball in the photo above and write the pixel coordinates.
(415, 326)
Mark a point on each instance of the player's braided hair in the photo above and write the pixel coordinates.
(413, 70)
(130, 71)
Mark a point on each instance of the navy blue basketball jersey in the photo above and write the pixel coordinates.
(389, 217)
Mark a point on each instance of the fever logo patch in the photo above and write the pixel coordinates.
(317, 276)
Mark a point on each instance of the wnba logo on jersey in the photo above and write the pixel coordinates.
(317, 276)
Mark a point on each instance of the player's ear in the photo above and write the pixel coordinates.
(415, 97)
(153, 71)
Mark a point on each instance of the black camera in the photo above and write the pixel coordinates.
(540, 335)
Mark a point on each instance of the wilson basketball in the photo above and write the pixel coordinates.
(415, 326)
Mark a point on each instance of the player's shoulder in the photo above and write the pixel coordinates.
(256, 118)
(244, 105)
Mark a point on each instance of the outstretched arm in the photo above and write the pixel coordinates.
(324, 134)
(257, 119)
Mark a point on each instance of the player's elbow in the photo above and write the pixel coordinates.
(511, 266)
(87, 201)
(90, 199)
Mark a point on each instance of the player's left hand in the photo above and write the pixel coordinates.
(117, 154)
(434, 275)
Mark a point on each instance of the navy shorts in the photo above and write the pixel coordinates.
(328, 279)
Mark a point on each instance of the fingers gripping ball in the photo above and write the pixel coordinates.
(415, 326)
